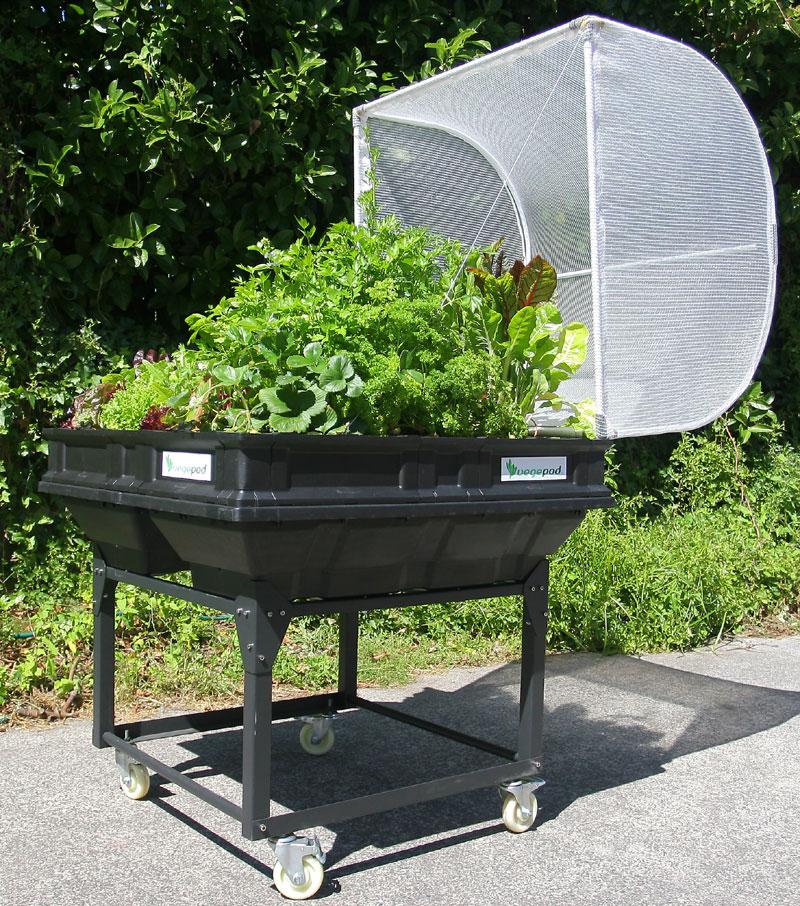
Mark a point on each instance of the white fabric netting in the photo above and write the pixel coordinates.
(659, 218)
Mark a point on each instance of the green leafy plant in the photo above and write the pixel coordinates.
(520, 325)
(508, 292)
(379, 353)
(753, 417)
(302, 399)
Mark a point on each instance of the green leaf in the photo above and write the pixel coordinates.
(502, 294)
(548, 315)
(520, 328)
(227, 375)
(313, 351)
(494, 325)
(149, 160)
(293, 399)
(408, 359)
(132, 233)
(290, 424)
(311, 360)
(325, 421)
(573, 346)
(269, 397)
(355, 386)
(335, 376)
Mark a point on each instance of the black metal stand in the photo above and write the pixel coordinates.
(261, 622)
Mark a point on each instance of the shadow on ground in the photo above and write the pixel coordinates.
(604, 727)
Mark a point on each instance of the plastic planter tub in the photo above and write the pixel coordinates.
(277, 526)
(325, 516)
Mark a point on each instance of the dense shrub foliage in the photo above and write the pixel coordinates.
(144, 147)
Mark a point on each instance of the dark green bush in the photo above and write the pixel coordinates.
(144, 147)
(148, 145)
(41, 368)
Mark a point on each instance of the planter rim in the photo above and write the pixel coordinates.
(174, 439)
(306, 477)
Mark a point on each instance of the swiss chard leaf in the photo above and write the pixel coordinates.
(536, 283)
(573, 346)
(519, 333)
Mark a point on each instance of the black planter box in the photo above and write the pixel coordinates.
(320, 516)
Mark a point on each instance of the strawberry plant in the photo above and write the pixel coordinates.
(302, 399)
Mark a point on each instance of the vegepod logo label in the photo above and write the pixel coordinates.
(192, 466)
(533, 468)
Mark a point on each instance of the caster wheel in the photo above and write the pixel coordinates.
(513, 818)
(305, 890)
(139, 785)
(316, 746)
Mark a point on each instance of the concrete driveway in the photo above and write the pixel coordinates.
(671, 779)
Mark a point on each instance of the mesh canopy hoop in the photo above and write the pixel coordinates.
(630, 162)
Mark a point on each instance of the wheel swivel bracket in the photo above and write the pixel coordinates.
(523, 791)
(320, 724)
(290, 852)
(124, 763)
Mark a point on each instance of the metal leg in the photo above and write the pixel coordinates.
(261, 626)
(531, 693)
(348, 654)
(104, 593)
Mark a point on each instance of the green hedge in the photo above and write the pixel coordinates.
(144, 147)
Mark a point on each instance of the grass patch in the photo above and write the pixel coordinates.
(626, 584)
(154, 670)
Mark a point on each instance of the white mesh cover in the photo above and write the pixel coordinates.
(628, 161)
